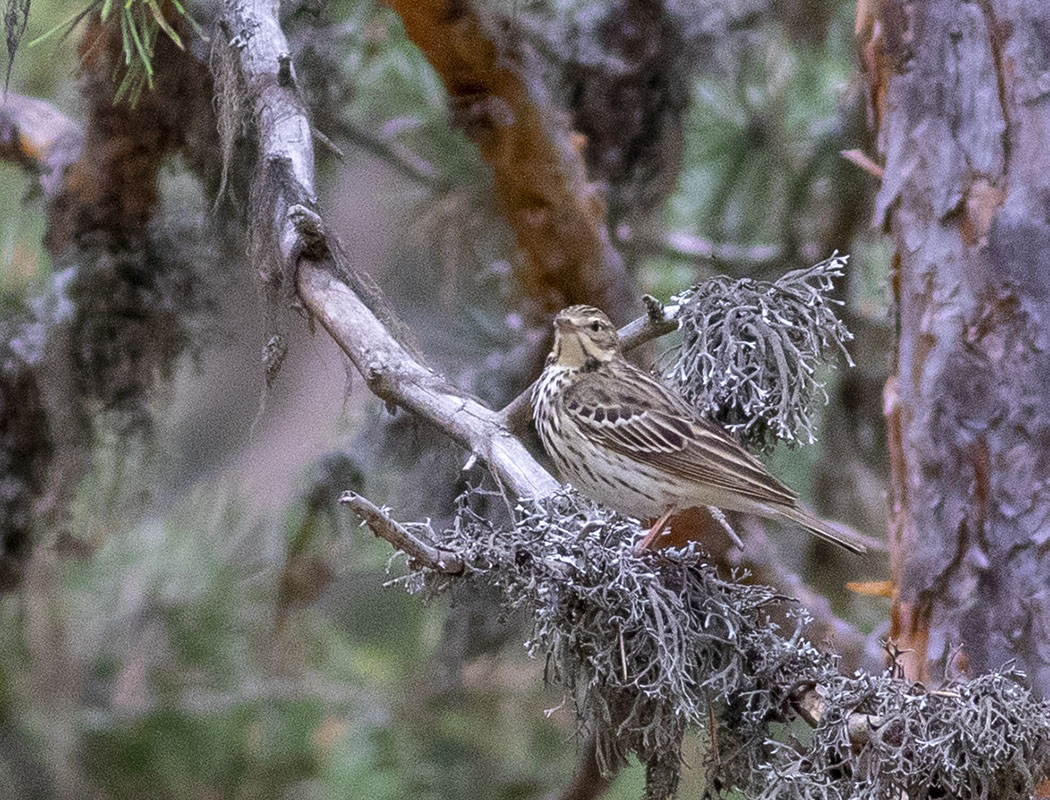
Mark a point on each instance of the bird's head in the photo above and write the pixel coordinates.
(583, 336)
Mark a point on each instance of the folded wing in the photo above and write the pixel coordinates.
(641, 419)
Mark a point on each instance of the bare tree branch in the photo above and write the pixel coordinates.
(323, 278)
(386, 527)
(658, 321)
(864, 161)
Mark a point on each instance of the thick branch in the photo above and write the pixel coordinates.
(323, 279)
(539, 176)
(394, 375)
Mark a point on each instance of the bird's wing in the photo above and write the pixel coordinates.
(638, 417)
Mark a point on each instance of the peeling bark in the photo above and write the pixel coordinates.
(960, 96)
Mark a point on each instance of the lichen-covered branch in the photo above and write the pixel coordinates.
(344, 301)
(647, 644)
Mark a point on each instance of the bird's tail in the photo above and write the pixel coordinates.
(851, 541)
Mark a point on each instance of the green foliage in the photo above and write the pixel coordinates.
(141, 23)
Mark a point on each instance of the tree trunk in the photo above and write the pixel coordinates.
(960, 96)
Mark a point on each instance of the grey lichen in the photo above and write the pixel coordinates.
(648, 644)
(751, 351)
(883, 737)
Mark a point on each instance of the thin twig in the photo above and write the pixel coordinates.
(657, 321)
(400, 158)
(719, 516)
(386, 527)
(864, 161)
(811, 708)
(684, 246)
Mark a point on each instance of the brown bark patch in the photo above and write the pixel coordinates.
(112, 186)
(540, 181)
(910, 630)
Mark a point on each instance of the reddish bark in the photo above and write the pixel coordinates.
(541, 185)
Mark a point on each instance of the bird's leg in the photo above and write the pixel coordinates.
(655, 531)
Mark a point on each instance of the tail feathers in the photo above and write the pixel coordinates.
(851, 541)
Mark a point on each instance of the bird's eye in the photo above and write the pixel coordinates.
(596, 326)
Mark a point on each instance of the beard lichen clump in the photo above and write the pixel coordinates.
(136, 307)
(648, 644)
(883, 737)
(752, 351)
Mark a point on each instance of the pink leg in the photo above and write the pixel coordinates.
(655, 531)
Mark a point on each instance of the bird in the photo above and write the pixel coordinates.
(626, 440)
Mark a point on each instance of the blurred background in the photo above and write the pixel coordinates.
(210, 624)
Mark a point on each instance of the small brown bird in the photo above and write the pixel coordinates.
(624, 439)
